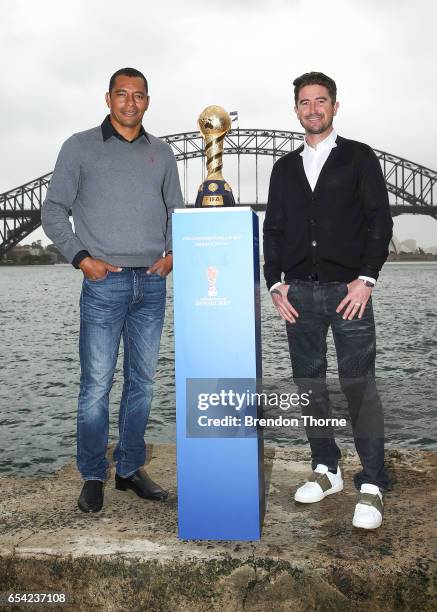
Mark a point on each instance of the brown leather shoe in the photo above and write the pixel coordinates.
(142, 485)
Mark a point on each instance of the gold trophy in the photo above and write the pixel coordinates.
(214, 123)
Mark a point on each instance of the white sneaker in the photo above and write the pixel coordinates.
(321, 483)
(369, 509)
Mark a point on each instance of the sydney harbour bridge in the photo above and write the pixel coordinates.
(412, 187)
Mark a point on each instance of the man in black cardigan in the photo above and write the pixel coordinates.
(327, 229)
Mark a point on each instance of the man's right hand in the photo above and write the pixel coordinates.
(96, 269)
(283, 306)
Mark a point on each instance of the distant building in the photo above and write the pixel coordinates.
(36, 249)
(394, 245)
(34, 253)
(408, 246)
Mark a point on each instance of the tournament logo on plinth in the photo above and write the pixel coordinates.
(213, 298)
(212, 274)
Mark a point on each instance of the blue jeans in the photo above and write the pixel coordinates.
(131, 304)
(355, 345)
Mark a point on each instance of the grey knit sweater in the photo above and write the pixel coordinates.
(121, 195)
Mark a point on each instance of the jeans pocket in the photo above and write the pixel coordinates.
(98, 280)
(343, 288)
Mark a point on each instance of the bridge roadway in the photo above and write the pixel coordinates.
(412, 185)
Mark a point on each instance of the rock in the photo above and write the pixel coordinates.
(128, 557)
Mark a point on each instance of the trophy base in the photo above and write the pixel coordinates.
(213, 193)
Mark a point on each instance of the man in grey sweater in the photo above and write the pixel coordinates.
(122, 186)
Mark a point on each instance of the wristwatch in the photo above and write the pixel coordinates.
(368, 283)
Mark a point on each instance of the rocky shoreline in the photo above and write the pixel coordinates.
(128, 557)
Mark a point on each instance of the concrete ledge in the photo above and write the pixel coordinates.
(128, 557)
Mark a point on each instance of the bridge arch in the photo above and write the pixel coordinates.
(412, 185)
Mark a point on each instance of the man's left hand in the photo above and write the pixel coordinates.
(355, 302)
(162, 266)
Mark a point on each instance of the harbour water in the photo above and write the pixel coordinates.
(39, 366)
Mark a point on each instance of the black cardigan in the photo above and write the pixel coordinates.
(339, 231)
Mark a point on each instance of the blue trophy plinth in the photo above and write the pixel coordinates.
(217, 359)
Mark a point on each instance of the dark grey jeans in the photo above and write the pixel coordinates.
(355, 344)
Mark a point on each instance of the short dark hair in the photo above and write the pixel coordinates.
(130, 72)
(315, 78)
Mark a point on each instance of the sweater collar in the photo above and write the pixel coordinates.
(109, 130)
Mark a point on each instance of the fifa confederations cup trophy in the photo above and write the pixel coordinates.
(214, 123)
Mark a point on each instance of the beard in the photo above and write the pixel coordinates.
(312, 129)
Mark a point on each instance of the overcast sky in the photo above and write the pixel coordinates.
(57, 57)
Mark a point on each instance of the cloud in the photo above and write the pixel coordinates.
(57, 57)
